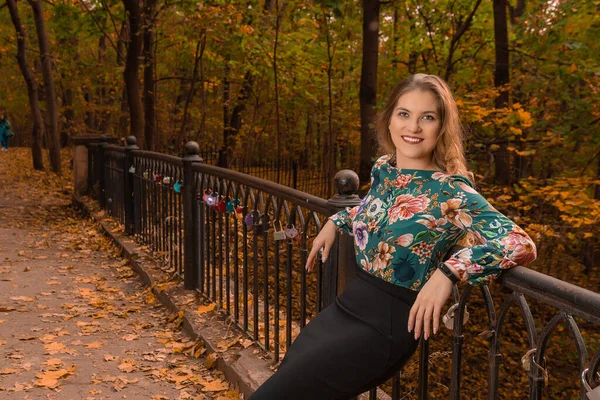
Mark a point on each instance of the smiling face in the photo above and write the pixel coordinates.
(414, 127)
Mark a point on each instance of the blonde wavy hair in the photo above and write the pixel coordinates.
(448, 154)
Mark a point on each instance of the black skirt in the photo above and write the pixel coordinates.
(353, 345)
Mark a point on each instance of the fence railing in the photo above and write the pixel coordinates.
(243, 241)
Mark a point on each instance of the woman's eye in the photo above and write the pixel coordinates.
(403, 114)
(429, 117)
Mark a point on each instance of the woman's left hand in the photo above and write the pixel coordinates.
(428, 305)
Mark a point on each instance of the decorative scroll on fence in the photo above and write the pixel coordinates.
(242, 242)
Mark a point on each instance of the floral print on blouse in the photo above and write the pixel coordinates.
(411, 218)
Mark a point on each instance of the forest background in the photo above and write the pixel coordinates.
(304, 79)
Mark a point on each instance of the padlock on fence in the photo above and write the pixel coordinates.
(592, 394)
(278, 234)
(291, 232)
(448, 318)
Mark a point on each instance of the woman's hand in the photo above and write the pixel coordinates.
(428, 305)
(324, 240)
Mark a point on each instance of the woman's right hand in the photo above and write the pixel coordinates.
(324, 240)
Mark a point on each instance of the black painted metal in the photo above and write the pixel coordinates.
(262, 283)
(128, 192)
(191, 256)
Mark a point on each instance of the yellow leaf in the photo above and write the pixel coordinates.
(130, 337)
(211, 359)
(203, 309)
(53, 362)
(93, 345)
(127, 365)
(573, 67)
(215, 386)
(7, 371)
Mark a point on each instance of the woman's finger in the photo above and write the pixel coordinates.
(310, 261)
(427, 322)
(412, 316)
(419, 322)
(436, 319)
(325, 254)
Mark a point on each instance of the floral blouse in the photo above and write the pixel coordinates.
(411, 218)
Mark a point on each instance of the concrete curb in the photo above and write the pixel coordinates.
(247, 368)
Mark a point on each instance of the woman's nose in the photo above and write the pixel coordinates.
(414, 125)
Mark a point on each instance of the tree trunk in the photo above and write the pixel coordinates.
(461, 29)
(123, 38)
(501, 78)
(200, 46)
(276, 82)
(516, 12)
(150, 131)
(330, 154)
(130, 75)
(32, 90)
(54, 140)
(368, 87)
(240, 106)
(226, 114)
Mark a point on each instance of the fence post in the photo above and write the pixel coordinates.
(99, 167)
(190, 217)
(128, 193)
(341, 257)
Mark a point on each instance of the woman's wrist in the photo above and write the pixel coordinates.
(450, 272)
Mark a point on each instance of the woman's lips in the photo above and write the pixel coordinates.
(411, 139)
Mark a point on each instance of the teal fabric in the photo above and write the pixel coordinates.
(411, 218)
(4, 128)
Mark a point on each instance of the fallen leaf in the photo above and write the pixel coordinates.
(128, 365)
(47, 338)
(224, 344)
(27, 269)
(53, 361)
(203, 309)
(246, 343)
(215, 386)
(6, 308)
(7, 371)
(108, 357)
(50, 379)
(130, 337)
(211, 359)
(53, 283)
(23, 298)
(93, 345)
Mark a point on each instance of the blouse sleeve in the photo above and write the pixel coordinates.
(502, 243)
(343, 219)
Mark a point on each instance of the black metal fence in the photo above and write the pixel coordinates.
(293, 173)
(243, 241)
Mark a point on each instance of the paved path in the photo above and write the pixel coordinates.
(75, 321)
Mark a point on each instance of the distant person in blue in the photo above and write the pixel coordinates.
(5, 131)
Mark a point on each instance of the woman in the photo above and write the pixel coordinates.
(420, 204)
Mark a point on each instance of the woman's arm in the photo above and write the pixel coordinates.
(502, 245)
